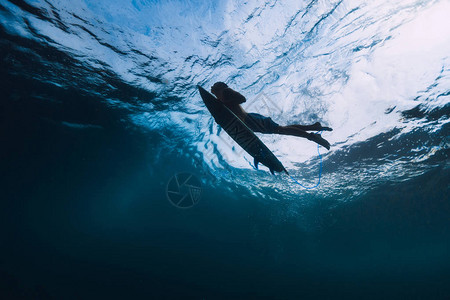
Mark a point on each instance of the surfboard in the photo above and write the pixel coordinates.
(241, 133)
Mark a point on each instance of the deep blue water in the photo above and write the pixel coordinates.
(99, 110)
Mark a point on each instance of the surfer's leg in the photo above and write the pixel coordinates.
(319, 140)
(260, 123)
(295, 131)
(316, 127)
(292, 130)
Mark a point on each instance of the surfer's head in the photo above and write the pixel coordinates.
(218, 87)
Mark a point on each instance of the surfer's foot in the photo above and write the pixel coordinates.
(314, 127)
(321, 128)
(319, 140)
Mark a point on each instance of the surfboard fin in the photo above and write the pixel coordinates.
(256, 162)
(271, 171)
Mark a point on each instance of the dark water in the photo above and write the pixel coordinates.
(87, 152)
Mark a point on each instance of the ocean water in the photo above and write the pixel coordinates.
(117, 182)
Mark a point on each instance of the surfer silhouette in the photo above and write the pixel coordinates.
(260, 123)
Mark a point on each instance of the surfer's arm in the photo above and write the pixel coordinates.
(231, 96)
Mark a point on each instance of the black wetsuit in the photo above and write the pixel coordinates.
(254, 121)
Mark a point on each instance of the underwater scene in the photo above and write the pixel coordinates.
(130, 169)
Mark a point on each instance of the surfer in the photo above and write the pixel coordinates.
(260, 123)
